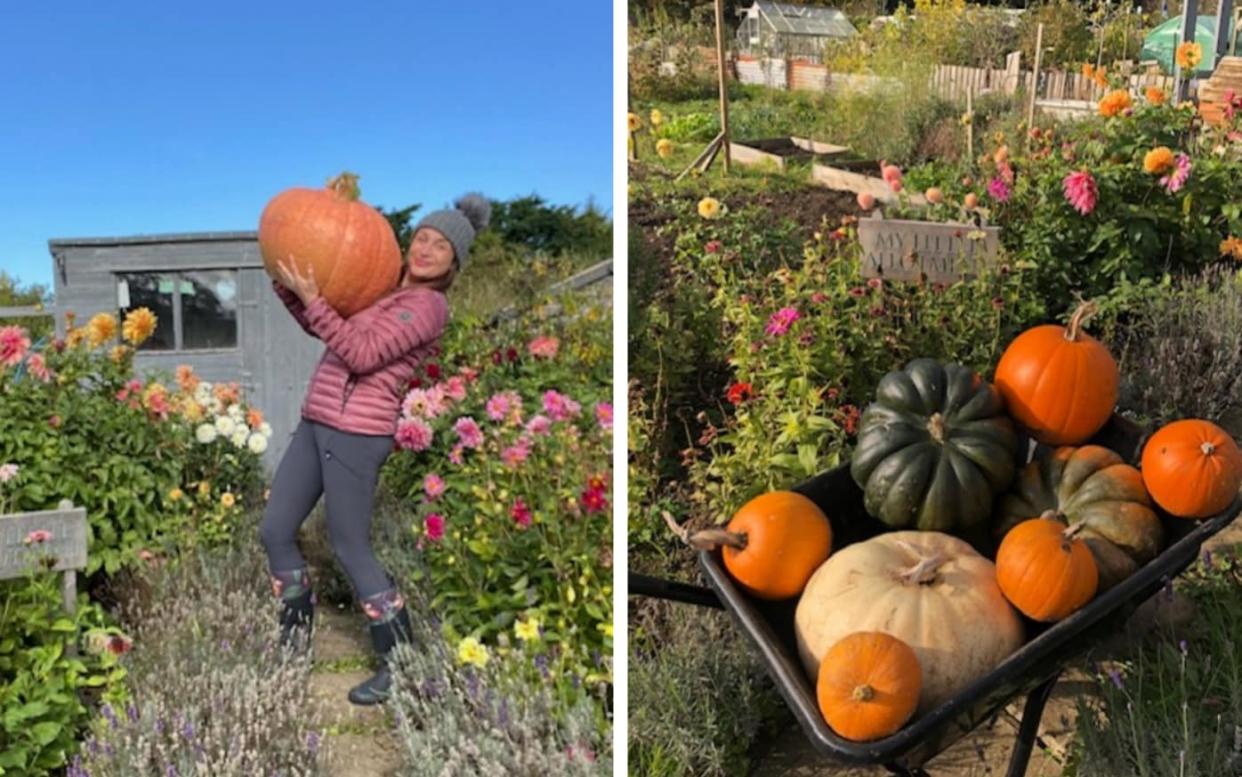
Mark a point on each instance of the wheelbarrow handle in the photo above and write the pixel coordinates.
(645, 585)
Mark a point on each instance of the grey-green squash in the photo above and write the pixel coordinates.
(934, 448)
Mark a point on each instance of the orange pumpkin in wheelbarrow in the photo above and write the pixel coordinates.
(772, 545)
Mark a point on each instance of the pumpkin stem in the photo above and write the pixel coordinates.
(935, 427)
(708, 539)
(863, 692)
(711, 539)
(1072, 530)
(345, 186)
(923, 572)
(1207, 448)
(1077, 321)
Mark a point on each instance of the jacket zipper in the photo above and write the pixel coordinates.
(349, 389)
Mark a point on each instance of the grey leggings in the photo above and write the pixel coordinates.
(344, 468)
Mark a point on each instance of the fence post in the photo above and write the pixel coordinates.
(1039, 51)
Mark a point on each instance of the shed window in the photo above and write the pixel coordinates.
(153, 291)
(196, 310)
(209, 309)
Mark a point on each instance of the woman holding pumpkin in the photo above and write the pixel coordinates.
(349, 419)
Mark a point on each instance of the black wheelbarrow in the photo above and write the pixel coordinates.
(1031, 671)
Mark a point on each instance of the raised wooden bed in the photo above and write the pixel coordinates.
(775, 151)
(859, 176)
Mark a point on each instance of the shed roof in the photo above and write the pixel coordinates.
(806, 19)
(175, 237)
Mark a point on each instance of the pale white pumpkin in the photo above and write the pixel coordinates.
(928, 589)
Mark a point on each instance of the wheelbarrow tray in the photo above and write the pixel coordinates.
(770, 625)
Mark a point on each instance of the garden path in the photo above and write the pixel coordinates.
(360, 741)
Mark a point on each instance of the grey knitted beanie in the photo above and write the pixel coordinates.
(468, 217)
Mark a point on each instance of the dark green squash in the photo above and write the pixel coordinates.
(934, 449)
(1092, 485)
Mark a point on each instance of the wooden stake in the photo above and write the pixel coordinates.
(1039, 51)
(708, 154)
(970, 127)
(724, 91)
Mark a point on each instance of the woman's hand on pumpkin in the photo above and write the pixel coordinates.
(302, 285)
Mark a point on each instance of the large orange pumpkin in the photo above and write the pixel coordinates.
(1058, 382)
(773, 545)
(1192, 468)
(868, 686)
(1044, 570)
(348, 245)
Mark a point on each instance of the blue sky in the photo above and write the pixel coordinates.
(124, 118)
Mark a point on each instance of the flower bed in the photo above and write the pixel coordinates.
(75, 424)
(505, 460)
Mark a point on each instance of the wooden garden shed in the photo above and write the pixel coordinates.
(771, 29)
(216, 308)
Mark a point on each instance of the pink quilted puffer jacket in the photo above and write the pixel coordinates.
(363, 375)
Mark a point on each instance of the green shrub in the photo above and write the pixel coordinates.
(124, 448)
(1179, 346)
(506, 716)
(211, 693)
(1138, 228)
(41, 698)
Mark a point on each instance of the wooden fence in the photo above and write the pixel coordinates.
(950, 82)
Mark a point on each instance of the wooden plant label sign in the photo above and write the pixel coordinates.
(46, 541)
(906, 250)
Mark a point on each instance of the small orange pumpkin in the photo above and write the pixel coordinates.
(348, 245)
(1192, 468)
(1044, 571)
(773, 545)
(869, 684)
(1058, 382)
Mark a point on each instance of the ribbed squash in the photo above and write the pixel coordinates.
(934, 448)
(1090, 485)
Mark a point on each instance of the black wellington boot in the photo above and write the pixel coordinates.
(297, 621)
(384, 637)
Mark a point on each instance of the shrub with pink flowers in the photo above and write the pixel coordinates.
(504, 461)
(798, 388)
(1084, 207)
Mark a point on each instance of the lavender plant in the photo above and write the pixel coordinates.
(468, 710)
(212, 693)
(1179, 346)
(1175, 708)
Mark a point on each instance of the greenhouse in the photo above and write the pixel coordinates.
(787, 30)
